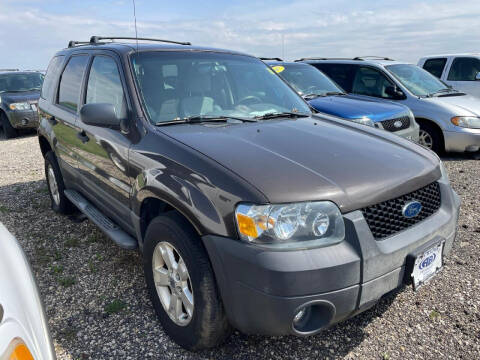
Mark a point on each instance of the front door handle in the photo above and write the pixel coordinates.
(83, 136)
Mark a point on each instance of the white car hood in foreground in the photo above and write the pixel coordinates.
(23, 311)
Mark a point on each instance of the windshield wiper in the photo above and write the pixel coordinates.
(331, 93)
(441, 91)
(201, 119)
(313, 96)
(280, 115)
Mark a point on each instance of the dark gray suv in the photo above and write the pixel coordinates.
(251, 212)
(19, 92)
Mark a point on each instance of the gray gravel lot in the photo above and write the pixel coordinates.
(98, 307)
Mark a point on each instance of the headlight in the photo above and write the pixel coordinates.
(444, 172)
(466, 121)
(364, 121)
(20, 106)
(291, 226)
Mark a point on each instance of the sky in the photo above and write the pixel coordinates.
(31, 31)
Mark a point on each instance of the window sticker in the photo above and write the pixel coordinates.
(278, 69)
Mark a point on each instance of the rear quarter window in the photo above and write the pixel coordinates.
(435, 66)
(51, 76)
(342, 74)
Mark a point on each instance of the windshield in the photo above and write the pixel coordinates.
(20, 82)
(176, 85)
(418, 81)
(307, 80)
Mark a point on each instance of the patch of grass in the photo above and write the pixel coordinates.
(43, 257)
(4, 210)
(93, 238)
(57, 269)
(43, 190)
(115, 307)
(58, 255)
(91, 266)
(434, 314)
(99, 257)
(386, 356)
(66, 281)
(17, 189)
(69, 333)
(72, 242)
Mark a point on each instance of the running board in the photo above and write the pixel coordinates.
(112, 230)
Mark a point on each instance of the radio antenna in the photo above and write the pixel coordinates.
(135, 18)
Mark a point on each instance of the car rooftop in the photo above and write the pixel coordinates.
(457, 54)
(127, 44)
(376, 60)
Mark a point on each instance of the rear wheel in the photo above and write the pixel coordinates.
(56, 187)
(182, 285)
(431, 137)
(7, 131)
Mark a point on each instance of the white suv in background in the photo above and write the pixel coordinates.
(461, 71)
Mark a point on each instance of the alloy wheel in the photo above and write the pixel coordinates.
(173, 284)
(53, 186)
(425, 139)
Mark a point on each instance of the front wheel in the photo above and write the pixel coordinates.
(431, 137)
(7, 131)
(182, 285)
(56, 187)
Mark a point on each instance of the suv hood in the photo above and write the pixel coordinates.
(12, 97)
(315, 159)
(463, 105)
(350, 107)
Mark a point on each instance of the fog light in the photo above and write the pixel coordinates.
(24, 122)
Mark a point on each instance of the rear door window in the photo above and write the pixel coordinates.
(464, 69)
(49, 82)
(435, 66)
(105, 85)
(71, 82)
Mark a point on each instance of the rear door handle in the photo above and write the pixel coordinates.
(83, 136)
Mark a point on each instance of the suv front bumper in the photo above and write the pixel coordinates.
(462, 140)
(23, 119)
(262, 290)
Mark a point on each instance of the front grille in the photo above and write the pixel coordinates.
(389, 125)
(386, 219)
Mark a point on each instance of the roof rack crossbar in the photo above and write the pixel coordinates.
(97, 39)
(9, 70)
(73, 43)
(271, 58)
(372, 57)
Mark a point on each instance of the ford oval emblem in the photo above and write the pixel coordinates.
(411, 209)
(427, 262)
(398, 124)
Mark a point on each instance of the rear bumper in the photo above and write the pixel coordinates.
(23, 119)
(462, 140)
(263, 290)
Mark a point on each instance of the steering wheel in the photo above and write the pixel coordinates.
(250, 99)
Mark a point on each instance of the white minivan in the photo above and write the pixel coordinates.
(461, 71)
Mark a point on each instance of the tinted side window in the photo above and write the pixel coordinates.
(435, 66)
(52, 72)
(371, 82)
(342, 74)
(71, 82)
(464, 69)
(105, 86)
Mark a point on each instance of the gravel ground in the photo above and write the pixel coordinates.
(98, 307)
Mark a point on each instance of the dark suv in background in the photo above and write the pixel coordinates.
(19, 93)
(251, 212)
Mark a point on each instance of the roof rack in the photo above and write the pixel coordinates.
(271, 58)
(321, 58)
(97, 40)
(9, 70)
(372, 57)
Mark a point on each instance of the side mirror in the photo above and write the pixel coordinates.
(394, 92)
(99, 114)
(477, 76)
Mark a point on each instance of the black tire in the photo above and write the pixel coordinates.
(63, 205)
(7, 131)
(435, 134)
(208, 326)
